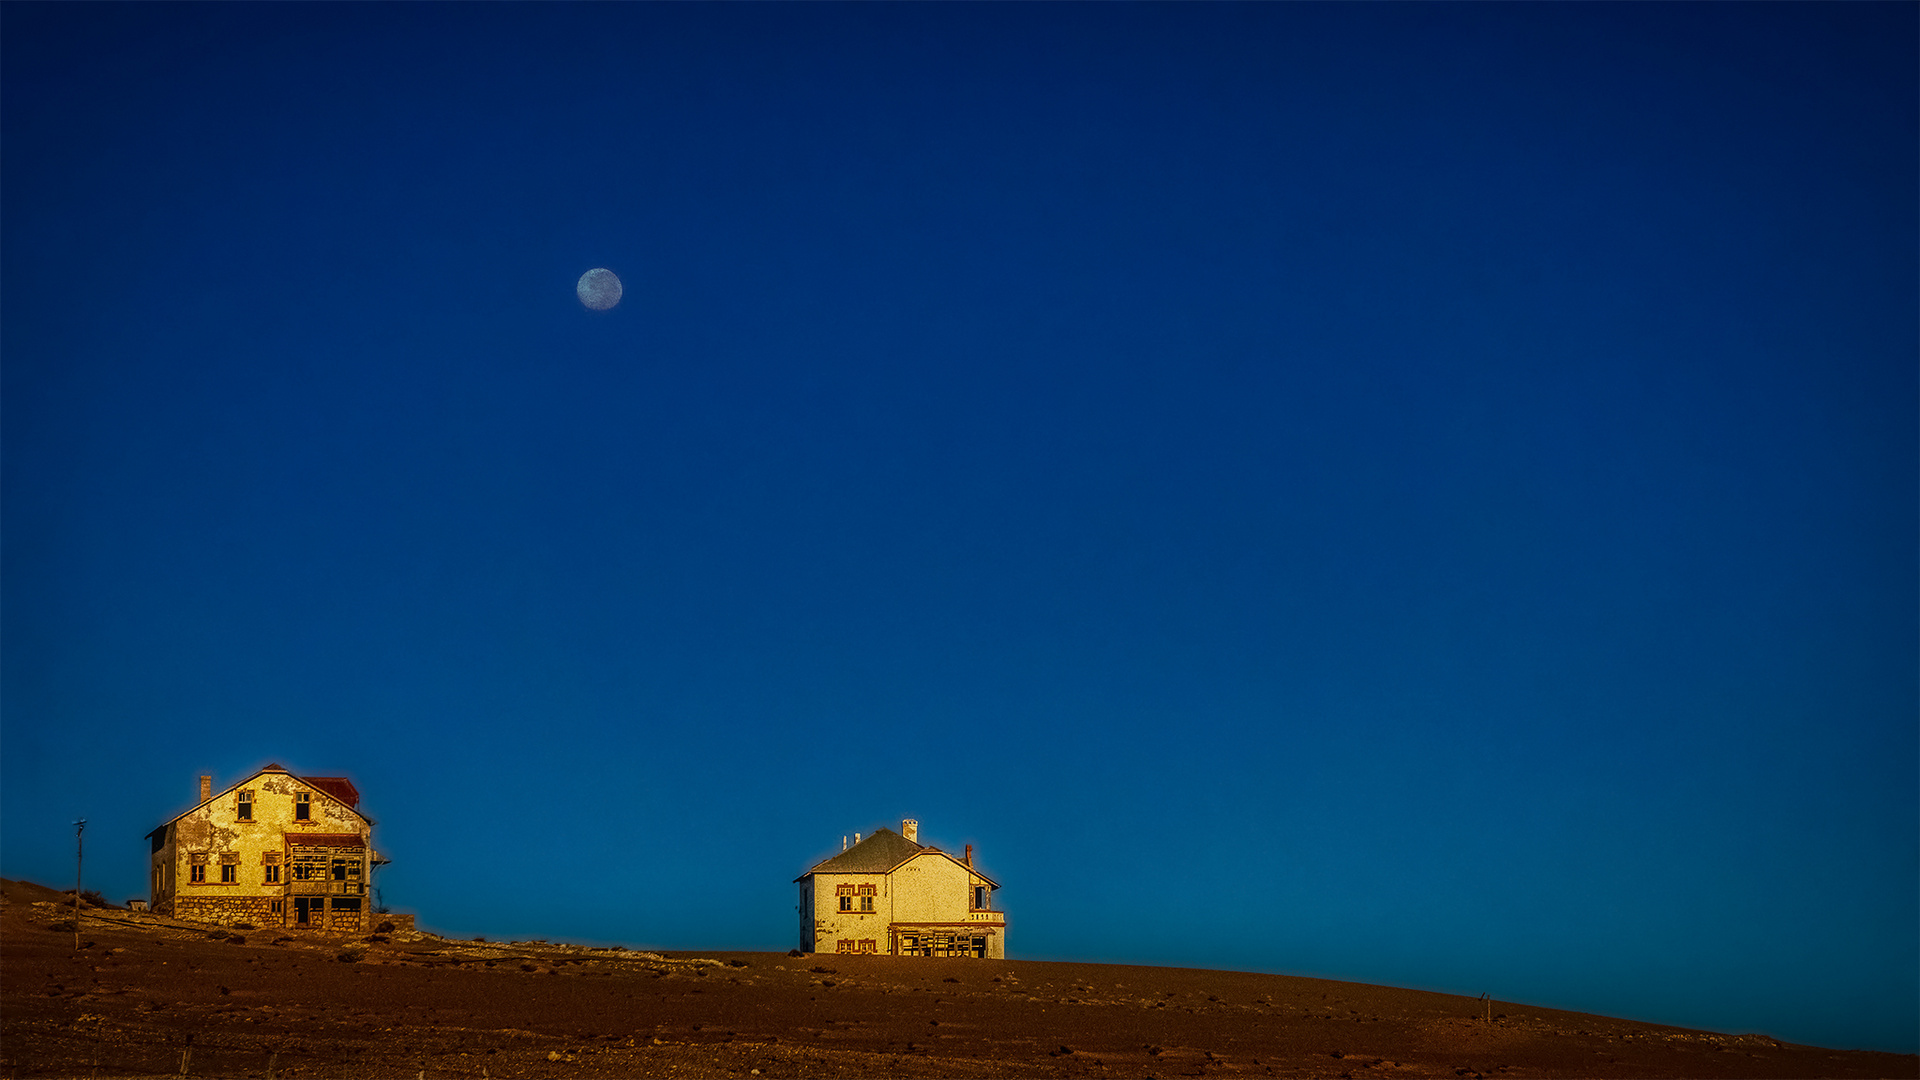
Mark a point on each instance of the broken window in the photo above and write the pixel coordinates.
(197, 871)
(309, 865)
(302, 806)
(272, 862)
(982, 897)
(843, 945)
(276, 907)
(846, 903)
(245, 811)
(869, 945)
(346, 903)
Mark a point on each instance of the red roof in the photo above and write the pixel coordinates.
(337, 786)
(326, 839)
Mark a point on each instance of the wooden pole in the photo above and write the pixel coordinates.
(79, 863)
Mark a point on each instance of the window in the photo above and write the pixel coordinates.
(346, 903)
(844, 945)
(276, 907)
(866, 897)
(846, 903)
(229, 873)
(302, 806)
(869, 945)
(197, 873)
(982, 897)
(845, 893)
(245, 811)
(272, 876)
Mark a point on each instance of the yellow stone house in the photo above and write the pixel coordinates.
(274, 850)
(888, 893)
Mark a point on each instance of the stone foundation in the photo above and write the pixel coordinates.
(225, 910)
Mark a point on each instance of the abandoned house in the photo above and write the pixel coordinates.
(274, 850)
(889, 894)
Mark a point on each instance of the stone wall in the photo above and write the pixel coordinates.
(225, 910)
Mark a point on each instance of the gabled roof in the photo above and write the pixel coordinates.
(876, 854)
(323, 784)
(882, 853)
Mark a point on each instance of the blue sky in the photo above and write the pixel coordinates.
(1419, 495)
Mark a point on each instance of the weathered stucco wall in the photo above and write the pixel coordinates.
(929, 893)
(215, 837)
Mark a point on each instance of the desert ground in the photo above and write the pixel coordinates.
(149, 996)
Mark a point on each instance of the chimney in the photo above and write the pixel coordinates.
(856, 839)
(969, 854)
(206, 788)
(910, 829)
(843, 843)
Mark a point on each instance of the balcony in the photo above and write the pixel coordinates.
(326, 888)
(991, 918)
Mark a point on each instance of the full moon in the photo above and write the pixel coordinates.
(599, 289)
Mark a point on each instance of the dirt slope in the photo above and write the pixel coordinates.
(145, 993)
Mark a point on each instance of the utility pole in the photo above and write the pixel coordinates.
(79, 863)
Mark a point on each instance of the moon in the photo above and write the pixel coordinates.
(599, 289)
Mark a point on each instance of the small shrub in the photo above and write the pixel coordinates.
(795, 952)
(217, 933)
(244, 926)
(64, 926)
(384, 928)
(351, 956)
(736, 963)
(236, 939)
(378, 939)
(480, 937)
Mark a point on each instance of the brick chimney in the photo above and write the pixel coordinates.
(910, 829)
(969, 854)
(206, 788)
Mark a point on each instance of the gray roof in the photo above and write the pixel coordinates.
(876, 854)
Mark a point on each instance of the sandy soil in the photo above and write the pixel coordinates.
(144, 995)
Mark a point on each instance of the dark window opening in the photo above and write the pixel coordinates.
(302, 806)
(346, 903)
(246, 806)
(229, 873)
